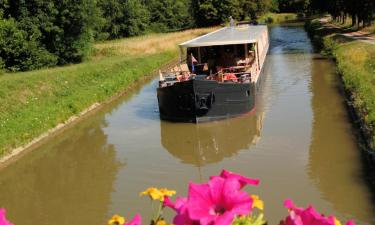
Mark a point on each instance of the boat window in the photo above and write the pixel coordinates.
(240, 51)
(229, 49)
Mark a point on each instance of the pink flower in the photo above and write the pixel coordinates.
(308, 216)
(182, 217)
(137, 220)
(3, 220)
(217, 202)
(242, 179)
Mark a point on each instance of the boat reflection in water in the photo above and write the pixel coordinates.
(205, 143)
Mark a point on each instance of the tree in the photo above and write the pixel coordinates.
(113, 15)
(168, 15)
(214, 12)
(61, 30)
(136, 18)
(18, 52)
(76, 22)
(361, 11)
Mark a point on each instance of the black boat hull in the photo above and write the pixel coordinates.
(205, 100)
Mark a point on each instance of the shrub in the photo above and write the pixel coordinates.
(330, 46)
(2, 65)
(269, 20)
(19, 52)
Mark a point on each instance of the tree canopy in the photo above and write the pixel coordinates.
(361, 11)
(43, 33)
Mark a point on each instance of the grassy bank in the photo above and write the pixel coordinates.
(356, 64)
(34, 102)
(277, 18)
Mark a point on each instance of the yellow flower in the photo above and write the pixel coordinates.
(167, 192)
(116, 219)
(337, 222)
(154, 193)
(161, 222)
(157, 194)
(257, 203)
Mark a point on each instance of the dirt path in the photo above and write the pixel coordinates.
(358, 35)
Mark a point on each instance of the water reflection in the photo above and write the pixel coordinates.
(68, 181)
(202, 144)
(334, 159)
(289, 40)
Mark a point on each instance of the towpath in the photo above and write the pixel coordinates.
(358, 35)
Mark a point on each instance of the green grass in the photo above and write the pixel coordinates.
(277, 17)
(34, 102)
(356, 63)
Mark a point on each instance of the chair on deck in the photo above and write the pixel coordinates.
(184, 68)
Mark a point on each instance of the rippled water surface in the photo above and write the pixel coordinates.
(299, 142)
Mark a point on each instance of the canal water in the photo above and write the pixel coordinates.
(299, 143)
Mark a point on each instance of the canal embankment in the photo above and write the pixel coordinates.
(355, 59)
(37, 103)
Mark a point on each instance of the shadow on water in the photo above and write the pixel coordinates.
(334, 147)
(206, 143)
(368, 160)
(54, 185)
(70, 174)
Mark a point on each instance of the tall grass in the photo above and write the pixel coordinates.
(146, 45)
(33, 102)
(356, 63)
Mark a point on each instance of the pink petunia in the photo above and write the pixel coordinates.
(308, 216)
(182, 217)
(242, 179)
(217, 202)
(3, 219)
(137, 220)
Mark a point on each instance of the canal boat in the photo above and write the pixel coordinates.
(216, 77)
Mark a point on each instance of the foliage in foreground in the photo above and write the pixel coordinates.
(221, 201)
(356, 63)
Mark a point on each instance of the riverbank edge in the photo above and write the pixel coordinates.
(326, 43)
(12, 155)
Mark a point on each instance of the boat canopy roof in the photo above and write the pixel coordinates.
(243, 34)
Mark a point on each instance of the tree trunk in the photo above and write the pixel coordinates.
(354, 20)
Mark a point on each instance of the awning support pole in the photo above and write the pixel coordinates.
(181, 52)
(199, 54)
